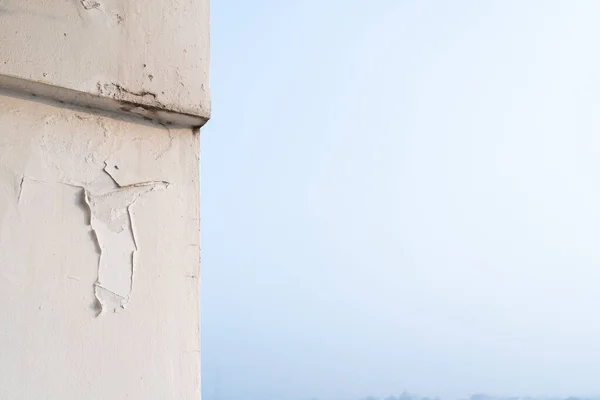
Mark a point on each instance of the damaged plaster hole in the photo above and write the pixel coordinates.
(119, 92)
(90, 4)
(114, 231)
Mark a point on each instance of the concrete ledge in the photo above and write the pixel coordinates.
(119, 101)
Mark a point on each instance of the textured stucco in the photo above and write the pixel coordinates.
(149, 57)
(61, 171)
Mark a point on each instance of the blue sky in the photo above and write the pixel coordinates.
(401, 195)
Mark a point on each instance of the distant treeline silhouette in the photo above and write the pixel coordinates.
(479, 396)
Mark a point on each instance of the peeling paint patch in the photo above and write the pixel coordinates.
(90, 4)
(112, 223)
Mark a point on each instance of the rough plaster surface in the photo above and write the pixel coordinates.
(148, 57)
(99, 255)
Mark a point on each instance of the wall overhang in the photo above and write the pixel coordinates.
(143, 57)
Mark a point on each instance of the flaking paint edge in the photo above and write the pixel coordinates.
(113, 225)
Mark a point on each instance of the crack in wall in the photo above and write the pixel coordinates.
(170, 146)
(20, 188)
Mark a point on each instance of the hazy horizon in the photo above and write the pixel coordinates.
(401, 195)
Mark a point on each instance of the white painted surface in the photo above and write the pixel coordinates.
(149, 57)
(53, 343)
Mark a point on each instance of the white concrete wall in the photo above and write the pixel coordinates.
(99, 208)
(99, 299)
